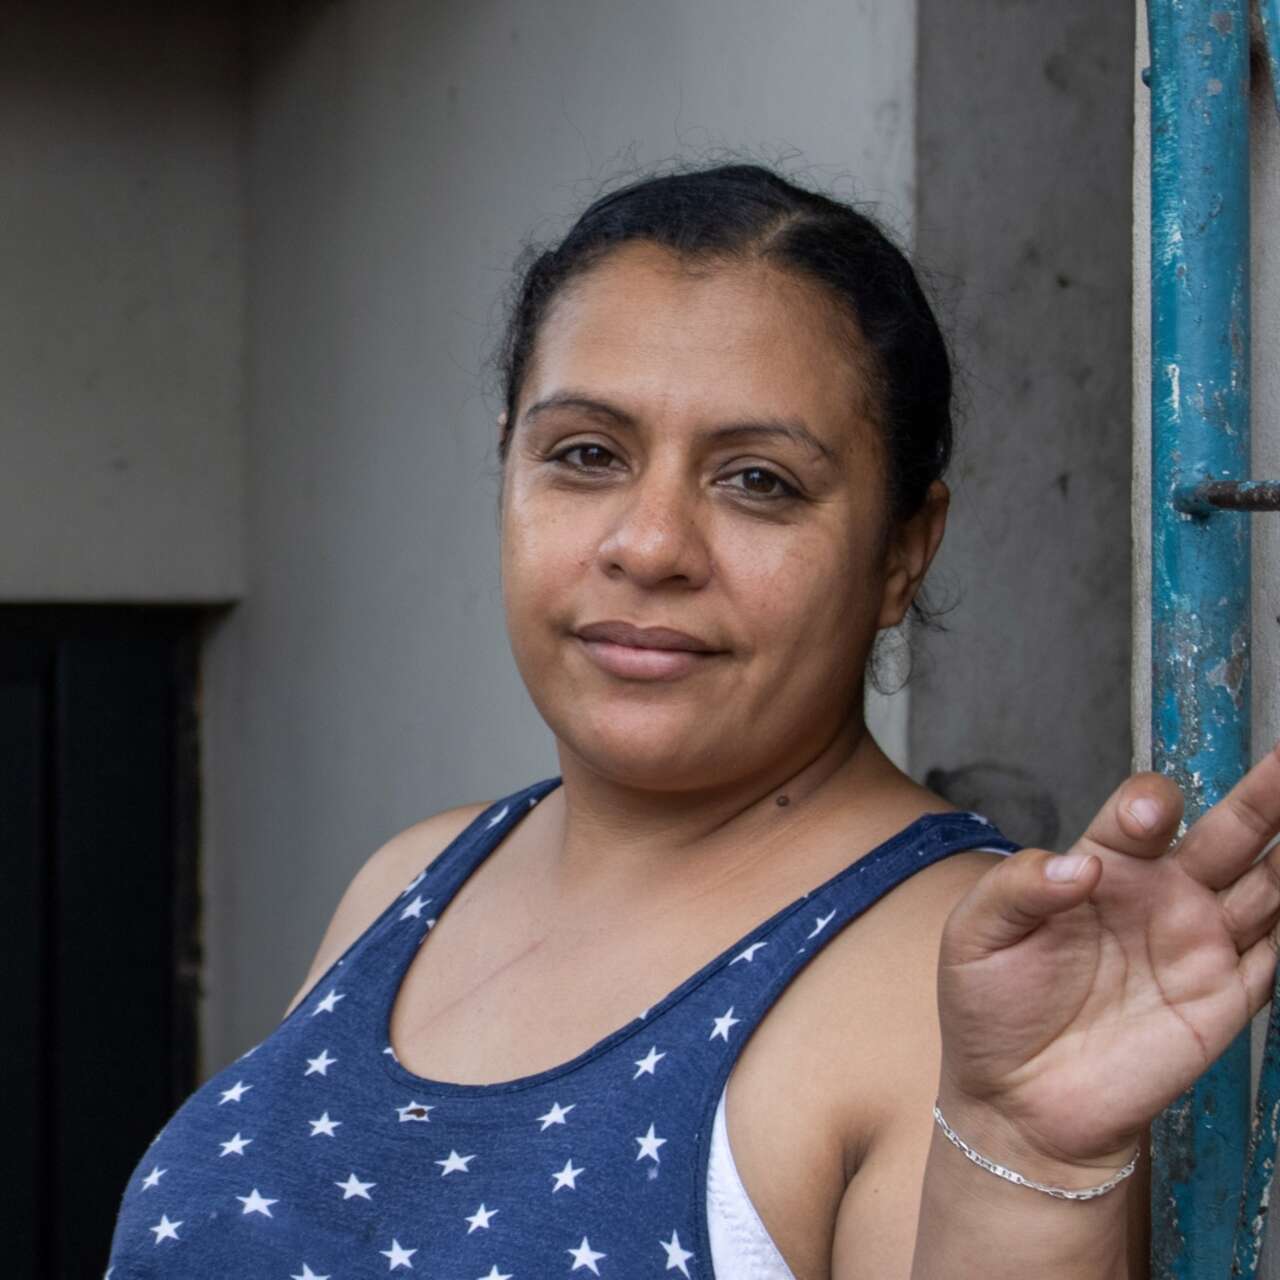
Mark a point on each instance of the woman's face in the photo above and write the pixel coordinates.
(694, 519)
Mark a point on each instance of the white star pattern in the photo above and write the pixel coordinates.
(454, 1163)
(413, 884)
(480, 1219)
(329, 1003)
(749, 954)
(565, 1178)
(324, 1126)
(723, 1024)
(414, 910)
(254, 1203)
(399, 1256)
(821, 923)
(166, 1230)
(153, 1178)
(497, 817)
(645, 1065)
(676, 1256)
(308, 1274)
(235, 1093)
(649, 1145)
(555, 1116)
(414, 1111)
(585, 1256)
(319, 1066)
(353, 1188)
(494, 1274)
(234, 1146)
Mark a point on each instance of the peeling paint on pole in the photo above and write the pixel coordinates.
(1200, 556)
(1251, 1228)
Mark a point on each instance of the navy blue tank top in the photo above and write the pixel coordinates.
(318, 1156)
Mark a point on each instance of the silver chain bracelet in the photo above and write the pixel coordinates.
(1059, 1193)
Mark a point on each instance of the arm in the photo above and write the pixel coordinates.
(916, 1196)
(378, 882)
(909, 1184)
(1073, 1009)
(973, 1223)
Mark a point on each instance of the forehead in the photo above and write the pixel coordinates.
(704, 340)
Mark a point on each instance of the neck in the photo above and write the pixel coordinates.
(613, 837)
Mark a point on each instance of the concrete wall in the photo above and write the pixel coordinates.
(398, 154)
(1024, 162)
(120, 333)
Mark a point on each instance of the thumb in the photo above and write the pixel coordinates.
(1014, 898)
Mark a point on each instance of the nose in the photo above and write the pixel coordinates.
(655, 537)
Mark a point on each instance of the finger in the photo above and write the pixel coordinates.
(1222, 845)
(1257, 971)
(1251, 906)
(1139, 819)
(1014, 898)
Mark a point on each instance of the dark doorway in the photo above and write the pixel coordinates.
(98, 835)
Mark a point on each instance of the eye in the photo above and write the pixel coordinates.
(760, 482)
(586, 457)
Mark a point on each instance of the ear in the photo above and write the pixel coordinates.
(910, 552)
(504, 435)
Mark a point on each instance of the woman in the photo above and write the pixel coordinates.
(727, 417)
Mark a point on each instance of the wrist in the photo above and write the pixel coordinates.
(1000, 1139)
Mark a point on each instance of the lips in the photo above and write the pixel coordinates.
(632, 637)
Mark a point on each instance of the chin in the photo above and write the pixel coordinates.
(645, 750)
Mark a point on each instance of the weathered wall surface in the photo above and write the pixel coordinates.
(1023, 169)
(398, 155)
(121, 300)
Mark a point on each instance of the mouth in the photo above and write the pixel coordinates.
(644, 653)
(633, 637)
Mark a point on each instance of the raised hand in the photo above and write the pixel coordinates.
(1074, 1009)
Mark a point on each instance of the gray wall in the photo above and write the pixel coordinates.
(1024, 162)
(120, 274)
(255, 272)
(398, 154)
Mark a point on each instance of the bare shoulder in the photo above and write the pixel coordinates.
(890, 974)
(380, 880)
(882, 974)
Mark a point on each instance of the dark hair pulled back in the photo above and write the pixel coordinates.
(745, 210)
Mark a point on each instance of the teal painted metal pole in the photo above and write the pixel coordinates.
(1200, 560)
(1261, 1164)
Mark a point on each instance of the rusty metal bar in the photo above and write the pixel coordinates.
(1208, 496)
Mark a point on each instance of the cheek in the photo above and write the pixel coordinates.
(543, 551)
(810, 595)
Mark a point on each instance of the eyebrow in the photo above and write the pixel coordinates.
(763, 428)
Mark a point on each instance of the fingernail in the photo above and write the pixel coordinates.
(1145, 812)
(1065, 866)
